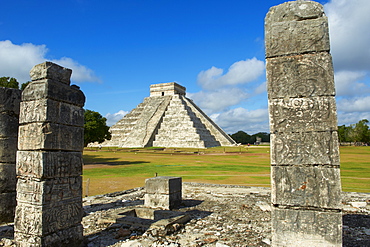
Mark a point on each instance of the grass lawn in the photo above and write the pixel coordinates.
(121, 169)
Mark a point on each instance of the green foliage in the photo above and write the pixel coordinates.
(96, 129)
(24, 85)
(361, 131)
(244, 138)
(358, 132)
(241, 137)
(9, 82)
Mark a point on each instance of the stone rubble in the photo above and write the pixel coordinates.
(220, 215)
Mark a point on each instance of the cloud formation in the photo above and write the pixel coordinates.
(219, 99)
(113, 118)
(17, 61)
(239, 73)
(251, 121)
(349, 22)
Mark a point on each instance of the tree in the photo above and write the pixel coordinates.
(9, 82)
(96, 129)
(361, 132)
(24, 85)
(241, 137)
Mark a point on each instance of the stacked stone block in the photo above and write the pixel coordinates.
(9, 113)
(182, 128)
(305, 174)
(163, 192)
(49, 160)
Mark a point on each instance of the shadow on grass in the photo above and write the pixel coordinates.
(96, 160)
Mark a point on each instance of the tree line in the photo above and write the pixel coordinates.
(357, 133)
(244, 138)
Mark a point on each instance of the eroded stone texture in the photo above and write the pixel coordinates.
(305, 175)
(296, 27)
(309, 75)
(49, 162)
(163, 192)
(306, 187)
(291, 228)
(305, 148)
(9, 115)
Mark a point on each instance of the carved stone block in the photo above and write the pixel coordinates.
(163, 185)
(9, 100)
(163, 192)
(53, 90)
(43, 220)
(303, 114)
(46, 164)
(8, 125)
(306, 186)
(163, 201)
(305, 148)
(51, 192)
(7, 207)
(71, 237)
(294, 28)
(8, 150)
(47, 110)
(300, 76)
(50, 136)
(49, 70)
(292, 228)
(7, 178)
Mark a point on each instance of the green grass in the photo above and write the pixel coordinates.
(120, 169)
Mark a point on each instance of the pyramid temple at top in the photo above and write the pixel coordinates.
(167, 119)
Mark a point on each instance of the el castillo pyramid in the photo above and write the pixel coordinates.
(167, 119)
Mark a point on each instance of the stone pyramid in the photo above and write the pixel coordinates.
(167, 119)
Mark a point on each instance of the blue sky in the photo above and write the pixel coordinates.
(117, 48)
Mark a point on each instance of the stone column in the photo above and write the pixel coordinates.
(49, 160)
(9, 114)
(305, 175)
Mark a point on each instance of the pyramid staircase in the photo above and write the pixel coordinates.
(167, 119)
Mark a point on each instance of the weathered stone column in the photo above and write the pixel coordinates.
(9, 114)
(305, 176)
(49, 160)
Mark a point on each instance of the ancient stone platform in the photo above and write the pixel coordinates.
(167, 119)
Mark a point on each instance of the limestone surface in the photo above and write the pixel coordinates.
(49, 161)
(305, 175)
(9, 115)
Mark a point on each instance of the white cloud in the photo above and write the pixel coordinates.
(348, 118)
(262, 88)
(356, 104)
(113, 118)
(80, 73)
(250, 121)
(349, 22)
(218, 100)
(239, 73)
(17, 61)
(348, 83)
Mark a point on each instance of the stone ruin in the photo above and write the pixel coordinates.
(9, 118)
(167, 119)
(305, 174)
(49, 160)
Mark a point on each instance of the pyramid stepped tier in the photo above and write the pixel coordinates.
(182, 128)
(167, 119)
